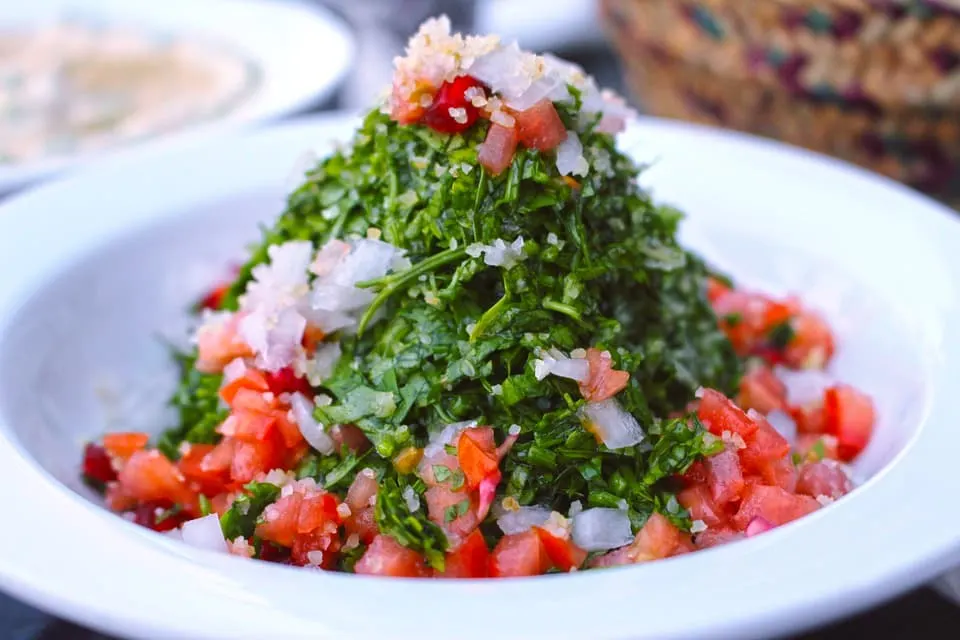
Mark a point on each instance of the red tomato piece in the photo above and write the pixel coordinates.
(207, 482)
(124, 445)
(772, 504)
(766, 446)
(363, 523)
(249, 426)
(823, 479)
(246, 399)
(251, 459)
(814, 447)
(809, 418)
(279, 522)
(97, 465)
(496, 151)
(719, 414)
(149, 476)
(405, 102)
(714, 537)
(444, 507)
(563, 553)
(387, 557)
(715, 289)
(780, 473)
(849, 415)
(326, 543)
(220, 457)
(695, 475)
(318, 512)
(540, 126)
(251, 380)
(656, 539)
(700, 504)
(363, 490)
(470, 560)
(287, 381)
(762, 391)
(214, 298)
(812, 344)
(615, 558)
(724, 477)
(218, 346)
(451, 111)
(477, 455)
(156, 515)
(520, 554)
(603, 381)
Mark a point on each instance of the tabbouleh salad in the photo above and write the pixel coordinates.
(472, 347)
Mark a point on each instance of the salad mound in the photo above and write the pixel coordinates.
(471, 346)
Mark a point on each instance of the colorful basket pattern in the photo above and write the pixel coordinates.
(875, 83)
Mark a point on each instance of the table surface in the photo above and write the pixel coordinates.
(920, 614)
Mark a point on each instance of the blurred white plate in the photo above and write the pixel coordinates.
(299, 52)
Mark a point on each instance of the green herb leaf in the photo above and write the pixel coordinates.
(241, 518)
(412, 530)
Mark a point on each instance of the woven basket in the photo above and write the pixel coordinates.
(874, 83)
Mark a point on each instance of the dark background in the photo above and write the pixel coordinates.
(921, 614)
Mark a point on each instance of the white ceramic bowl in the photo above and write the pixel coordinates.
(94, 267)
(299, 52)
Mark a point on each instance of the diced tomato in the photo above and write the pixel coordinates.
(812, 344)
(823, 479)
(312, 337)
(519, 554)
(762, 391)
(470, 560)
(387, 557)
(270, 552)
(719, 414)
(220, 457)
(715, 289)
(758, 525)
(245, 399)
(477, 455)
(780, 473)
(349, 437)
(615, 558)
(849, 415)
(363, 490)
(451, 96)
(695, 475)
(656, 539)
(714, 537)
(363, 523)
(249, 426)
(724, 477)
(496, 151)
(809, 418)
(280, 519)
(251, 380)
(814, 447)
(157, 515)
(773, 504)
(540, 126)
(116, 499)
(603, 381)
(764, 447)
(287, 381)
(218, 346)
(562, 552)
(700, 504)
(324, 542)
(205, 481)
(444, 506)
(96, 464)
(149, 476)
(251, 459)
(288, 429)
(214, 299)
(405, 105)
(124, 445)
(318, 512)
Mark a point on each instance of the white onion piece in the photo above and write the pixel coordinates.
(320, 367)
(556, 363)
(804, 387)
(545, 87)
(570, 160)
(758, 525)
(311, 430)
(447, 435)
(335, 297)
(784, 425)
(274, 336)
(204, 533)
(513, 522)
(611, 424)
(601, 528)
(235, 370)
(367, 260)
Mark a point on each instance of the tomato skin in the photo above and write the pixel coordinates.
(318, 511)
(780, 473)
(477, 456)
(563, 553)
(604, 381)
(520, 554)
(540, 127)
(451, 96)
(724, 477)
(850, 416)
(657, 539)
(387, 557)
(251, 380)
(765, 447)
(714, 537)
(287, 381)
(207, 482)
(303, 544)
(761, 390)
(772, 504)
(124, 445)
(250, 459)
(496, 151)
(809, 418)
(470, 560)
(698, 501)
(823, 479)
(279, 523)
(97, 465)
(148, 476)
(719, 414)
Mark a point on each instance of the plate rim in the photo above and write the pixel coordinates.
(226, 582)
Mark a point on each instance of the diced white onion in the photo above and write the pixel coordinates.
(513, 522)
(557, 363)
(312, 431)
(784, 425)
(805, 386)
(320, 367)
(445, 436)
(336, 297)
(234, 370)
(570, 160)
(608, 421)
(601, 528)
(499, 254)
(368, 259)
(204, 533)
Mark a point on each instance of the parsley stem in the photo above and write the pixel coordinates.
(489, 316)
(565, 309)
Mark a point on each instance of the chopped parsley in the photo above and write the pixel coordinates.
(781, 335)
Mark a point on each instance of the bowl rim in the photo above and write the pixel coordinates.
(147, 585)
